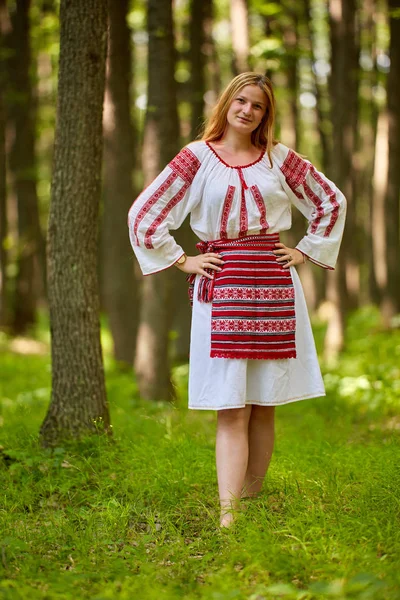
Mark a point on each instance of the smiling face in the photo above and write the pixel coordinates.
(247, 109)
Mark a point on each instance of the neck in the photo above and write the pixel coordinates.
(236, 141)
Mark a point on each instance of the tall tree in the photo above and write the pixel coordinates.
(213, 70)
(378, 203)
(4, 39)
(367, 132)
(321, 93)
(392, 205)
(199, 11)
(344, 104)
(200, 14)
(31, 248)
(78, 400)
(160, 145)
(119, 288)
(291, 121)
(240, 36)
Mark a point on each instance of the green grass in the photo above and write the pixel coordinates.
(137, 517)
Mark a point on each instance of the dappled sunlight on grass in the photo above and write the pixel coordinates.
(136, 516)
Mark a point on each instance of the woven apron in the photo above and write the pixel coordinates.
(253, 311)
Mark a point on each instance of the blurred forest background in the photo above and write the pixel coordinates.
(335, 66)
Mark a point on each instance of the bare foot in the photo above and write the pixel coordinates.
(227, 519)
(247, 495)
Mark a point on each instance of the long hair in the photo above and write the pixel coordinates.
(263, 136)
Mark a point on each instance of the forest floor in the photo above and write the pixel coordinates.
(137, 517)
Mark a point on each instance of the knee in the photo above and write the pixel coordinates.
(263, 413)
(234, 417)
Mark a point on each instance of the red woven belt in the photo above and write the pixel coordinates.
(253, 311)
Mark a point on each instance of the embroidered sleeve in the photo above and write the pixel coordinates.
(320, 201)
(161, 207)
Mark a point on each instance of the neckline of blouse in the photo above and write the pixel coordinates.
(236, 166)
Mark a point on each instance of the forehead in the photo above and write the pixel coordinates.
(253, 93)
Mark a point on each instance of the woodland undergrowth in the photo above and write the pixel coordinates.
(136, 516)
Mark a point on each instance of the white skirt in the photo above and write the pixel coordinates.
(218, 383)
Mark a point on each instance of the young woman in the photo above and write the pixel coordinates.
(252, 346)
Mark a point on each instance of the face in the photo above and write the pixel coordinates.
(247, 109)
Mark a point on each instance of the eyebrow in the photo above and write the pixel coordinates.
(260, 102)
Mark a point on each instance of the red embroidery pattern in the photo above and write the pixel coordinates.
(257, 326)
(295, 170)
(253, 300)
(332, 197)
(243, 216)
(316, 200)
(151, 201)
(244, 224)
(261, 207)
(226, 209)
(163, 214)
(185, 165)
(238, 293)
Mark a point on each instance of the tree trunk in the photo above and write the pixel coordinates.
(213, 70)
(367, 140)
(321, 93)
(31, 247)
(391, 305)
(291, 122)
(4, 40)
(78, 401)
(378, 205)
(343, 92)
(197, 57)
(160, 145)
(199, 15)
(240, 36)
(4, 315)
(119, 287)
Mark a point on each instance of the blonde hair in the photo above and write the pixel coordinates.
(263, 136)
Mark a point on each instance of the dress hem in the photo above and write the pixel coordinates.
(289, 400)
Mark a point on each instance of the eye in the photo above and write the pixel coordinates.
(240, 100)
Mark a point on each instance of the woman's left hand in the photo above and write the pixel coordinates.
(289, 256)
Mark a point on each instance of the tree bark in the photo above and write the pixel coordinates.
(291, 122)
(4, 314)
(161, 143)
(119, 286)
(321, 93)
(31, 246)
(213, 70)
(391, 305)
(197, 57)
(5, 27)
(240, 36)
(367, 141)
(199, 16)
(343, 93)
(378, 206)
(78, 400)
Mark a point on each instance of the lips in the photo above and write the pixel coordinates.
(244, 120)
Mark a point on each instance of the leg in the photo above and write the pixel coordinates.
(232, 451)
(261, 445)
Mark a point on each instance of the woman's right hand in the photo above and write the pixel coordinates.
(198, 264)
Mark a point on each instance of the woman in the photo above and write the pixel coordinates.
(251, 346)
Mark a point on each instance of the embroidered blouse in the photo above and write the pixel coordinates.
(228, 202)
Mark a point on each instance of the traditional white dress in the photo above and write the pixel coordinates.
(230, 202)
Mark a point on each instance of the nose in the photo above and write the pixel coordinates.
(246, 109)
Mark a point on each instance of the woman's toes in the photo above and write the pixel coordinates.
(227, 519)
